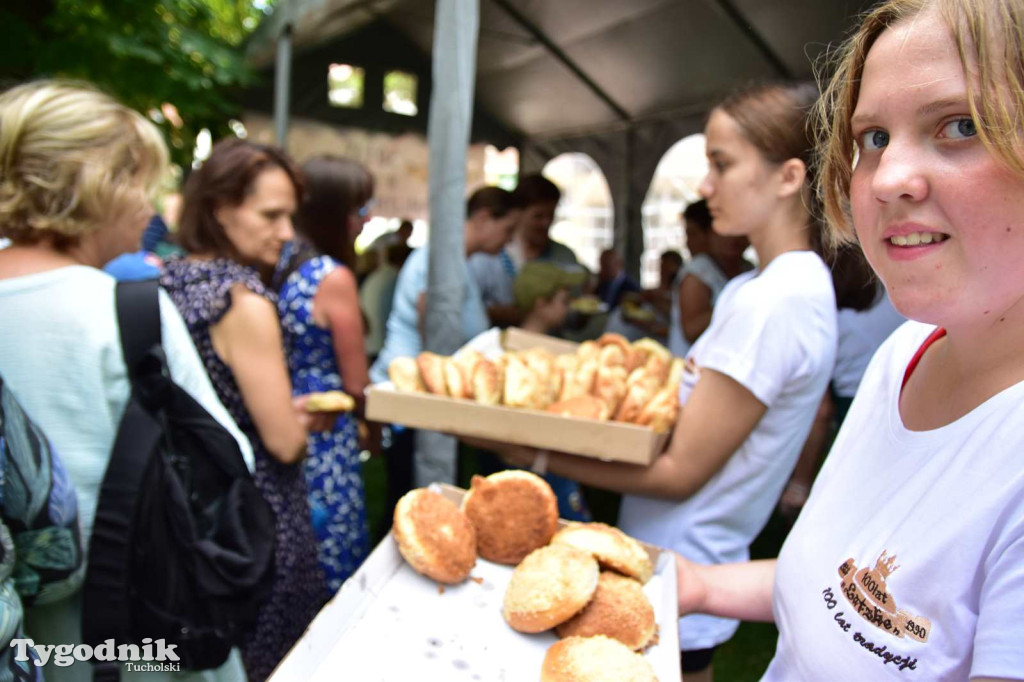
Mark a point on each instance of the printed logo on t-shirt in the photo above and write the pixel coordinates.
(691, 375)
(867, 591)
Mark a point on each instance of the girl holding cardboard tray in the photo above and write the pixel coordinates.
(755, 376)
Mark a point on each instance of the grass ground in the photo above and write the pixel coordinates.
(743, 659)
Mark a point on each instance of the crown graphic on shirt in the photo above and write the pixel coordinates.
(886, 566)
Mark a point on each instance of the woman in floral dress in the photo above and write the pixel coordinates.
(323, 331)
(236, 217)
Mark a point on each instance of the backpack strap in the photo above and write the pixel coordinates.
(138, 317)
(105, 596)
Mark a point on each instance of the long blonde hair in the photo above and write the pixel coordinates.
(989, 35)
(71, 160)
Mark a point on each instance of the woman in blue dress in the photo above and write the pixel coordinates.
(323, 331)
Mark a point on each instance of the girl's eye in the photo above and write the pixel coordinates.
(959, 129)
(873, 139)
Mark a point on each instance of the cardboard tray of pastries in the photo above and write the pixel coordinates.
(389, 622)
(605, 409)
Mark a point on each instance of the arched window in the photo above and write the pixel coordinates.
(583, 221)
(673, 186)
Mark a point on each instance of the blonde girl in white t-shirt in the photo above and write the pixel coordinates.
(908, 560)
(763, 363)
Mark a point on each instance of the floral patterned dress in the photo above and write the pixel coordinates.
(336, 496)
(201, 290)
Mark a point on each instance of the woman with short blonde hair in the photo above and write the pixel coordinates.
(71, 160)
(77, 171)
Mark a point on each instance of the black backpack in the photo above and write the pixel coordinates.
(183, 544)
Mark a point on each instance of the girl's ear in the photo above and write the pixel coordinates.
(792, 174)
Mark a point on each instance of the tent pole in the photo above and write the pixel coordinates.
(633, 230)
(282, 82)
(456, 23)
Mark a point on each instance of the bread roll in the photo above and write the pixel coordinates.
(584, 406)
(588, 350)
(612, 548)
(661, 412)
(637, 396)
(487, 385)
(610, 338)
(549, 586)
(434, 536)
(330, 401)
(405, 375)
(582, 382)
(520, 383)
(431, 366)
(594, 659)
(619, 609)
(610, 386)
(565, 369)
(612, 355)
(513, 513)
(657, 368)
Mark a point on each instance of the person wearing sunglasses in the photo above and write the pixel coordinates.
(318, 303)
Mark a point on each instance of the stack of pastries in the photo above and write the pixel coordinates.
(584, 581)
(607, 379)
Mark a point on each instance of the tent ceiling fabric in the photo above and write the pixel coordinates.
(654, 59)
(620, 80)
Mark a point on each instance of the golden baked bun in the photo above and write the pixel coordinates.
(565, 369)
(658, 368)
(612, 355)
(584, 406)
(582, 381)
(459, 385)
(588, 350)
(434, 536)
(487, 384)
(594, 659)
(431, 366)
(637, 396)
(467, 360)
(520, 382)
(619, 609)
(542, 364)
(651, 347)
(513, 513)
(610, 546)
(662, 411)
(405, 375)
(611, 338)
(330, 401)
(675, 373)
(549, 586)
(610, 385)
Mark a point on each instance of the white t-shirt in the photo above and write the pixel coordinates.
(774, 332)
(860, 335)
(926, 531)
(60, 354)
(704, 268)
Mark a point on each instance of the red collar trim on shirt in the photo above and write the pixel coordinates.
(932, 338)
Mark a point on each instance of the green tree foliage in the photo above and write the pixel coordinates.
(145, 52)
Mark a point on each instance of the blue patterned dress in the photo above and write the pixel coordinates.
(201, 290)
(336, 497)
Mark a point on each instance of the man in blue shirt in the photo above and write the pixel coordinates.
(491, 214)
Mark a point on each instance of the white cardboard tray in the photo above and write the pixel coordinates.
(391, 624)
